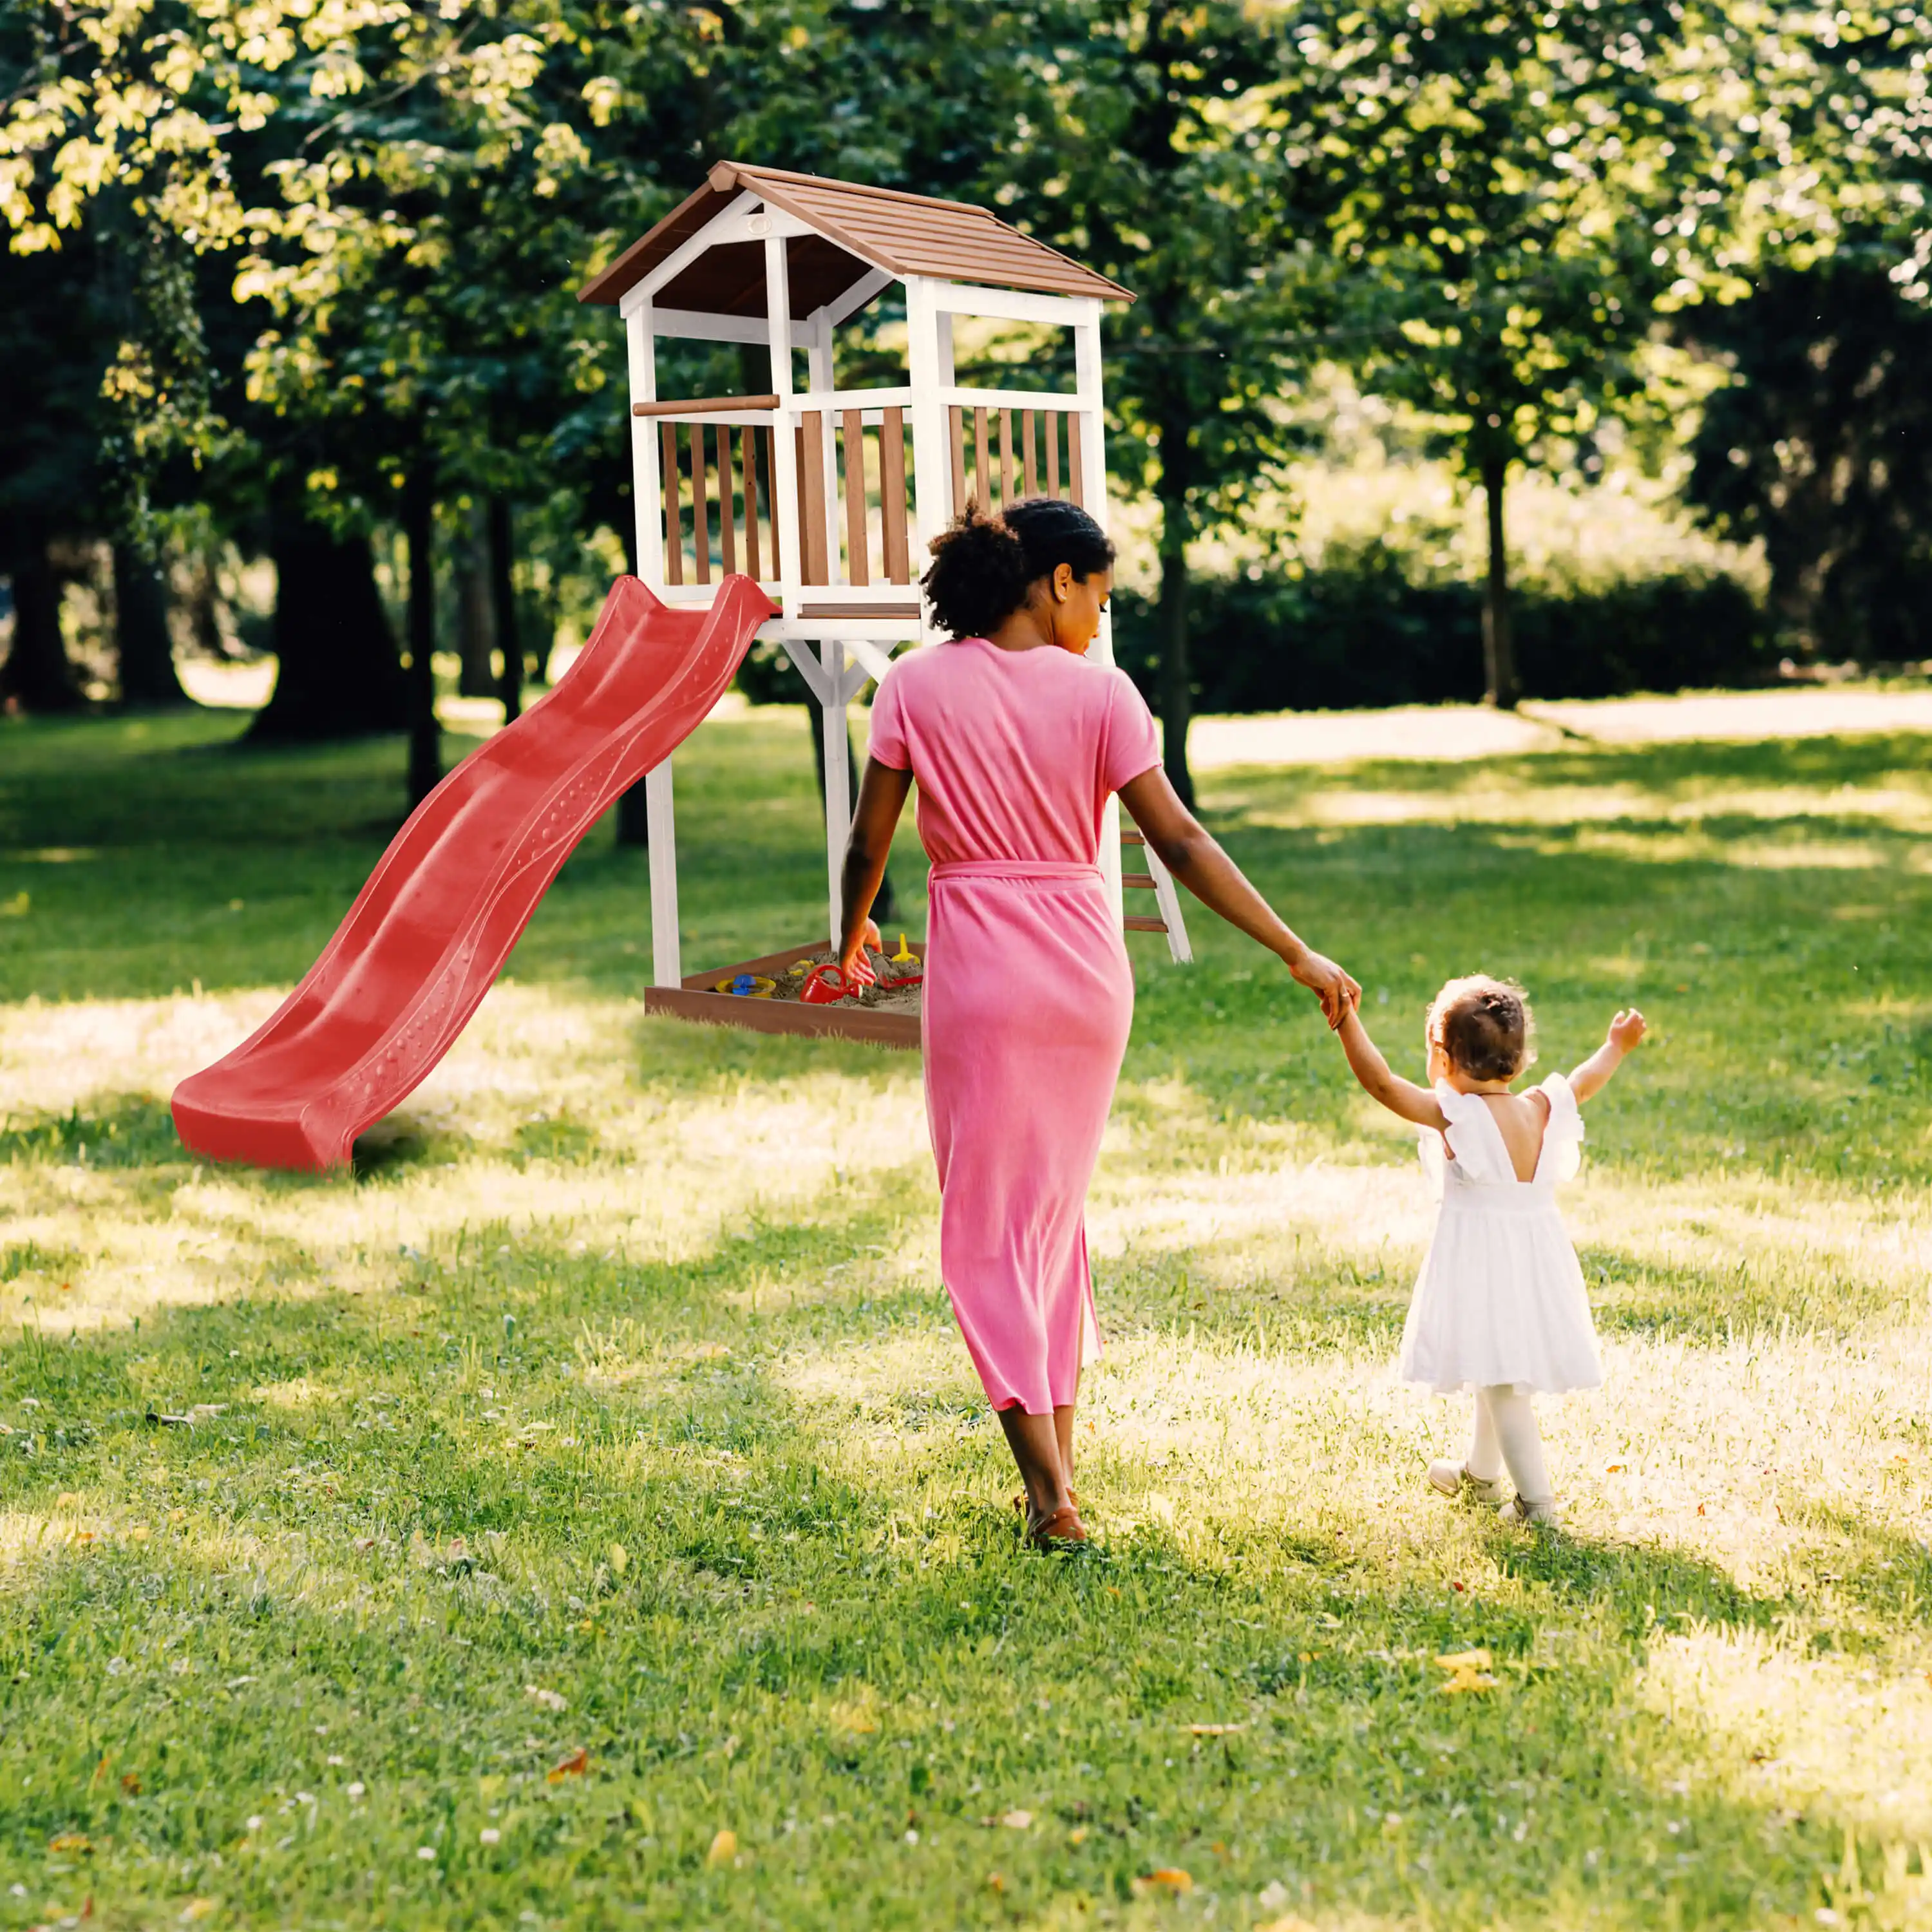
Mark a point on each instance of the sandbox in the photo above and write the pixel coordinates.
(887, 1015)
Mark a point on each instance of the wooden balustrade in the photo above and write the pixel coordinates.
(847, 470)
(693, 457)
(995, 475)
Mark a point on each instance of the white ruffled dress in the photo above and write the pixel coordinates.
(1501, 1297)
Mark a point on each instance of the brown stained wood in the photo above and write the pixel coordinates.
(1133, 838)
(1053, 422)
(909, 608)
(811, 496)
(1030, 450)
(1006, 498)
(843, 1020)
(858, 542)
(674, 548)
(727, 501)
(700, 504)
(892, 497)
(1140, 881)
(1135, 924)
(1076, 464)
(698, 406)
(751, 570)
(983, 463)
(956, 435)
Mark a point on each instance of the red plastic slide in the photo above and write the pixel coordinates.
(428, 933)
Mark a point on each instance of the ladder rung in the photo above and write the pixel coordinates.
(1134, 925)
(1144, 880)
(1133, 838)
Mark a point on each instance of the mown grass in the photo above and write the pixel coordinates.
(611, 1406)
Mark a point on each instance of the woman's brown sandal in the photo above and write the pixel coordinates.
(1063, 1529)
(1020, 1501)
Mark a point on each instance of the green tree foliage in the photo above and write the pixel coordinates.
(1821, 447)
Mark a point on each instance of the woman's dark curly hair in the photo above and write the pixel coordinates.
(984, 567)
(1485, 1026)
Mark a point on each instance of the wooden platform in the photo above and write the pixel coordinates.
(695, 1000)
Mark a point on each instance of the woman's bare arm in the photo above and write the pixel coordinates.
(1400, 1096)
(882, 797)
(1189, 851)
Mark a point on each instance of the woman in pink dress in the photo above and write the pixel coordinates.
(1016, 742)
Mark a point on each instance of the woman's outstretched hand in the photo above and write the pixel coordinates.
(857, 969)
(1336, 990)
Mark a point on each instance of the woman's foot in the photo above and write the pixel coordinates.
(1020, 1501)
(1531, 1516)
(1453, 1479)
(1059, 1530)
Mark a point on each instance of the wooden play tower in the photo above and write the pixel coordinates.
(828, 497)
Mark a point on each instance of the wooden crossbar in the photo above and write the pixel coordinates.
(698, 406)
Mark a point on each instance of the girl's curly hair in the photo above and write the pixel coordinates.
(1485, 1026)
(984, 567)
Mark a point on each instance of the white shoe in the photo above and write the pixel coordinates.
(1531, 1516)
(1453, 1480)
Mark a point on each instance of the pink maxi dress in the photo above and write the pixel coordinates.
(1028, 994)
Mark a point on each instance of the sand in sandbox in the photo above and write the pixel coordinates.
(897, 991)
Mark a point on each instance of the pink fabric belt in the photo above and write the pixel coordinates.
(1016, 868)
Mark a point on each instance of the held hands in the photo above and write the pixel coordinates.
(1626, 1030)
(857, 969)
(1337, 992)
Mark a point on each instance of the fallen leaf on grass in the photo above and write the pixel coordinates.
(995, 1881)
(71, 1841)
(1078, 1836)
(574, 1765)
(1017, 1821)
(197, 1908)
(723, 1848)
(619, 1559)
(130, 1784)
(551, 1700)
(1468, 1670)
(1169, 1878)
(1216, 1730)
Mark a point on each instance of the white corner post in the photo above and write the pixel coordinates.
(646, 489)
(929, 370)
(1089, 425)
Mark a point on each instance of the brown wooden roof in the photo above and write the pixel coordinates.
(857, 228)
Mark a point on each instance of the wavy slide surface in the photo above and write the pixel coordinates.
(429, 932)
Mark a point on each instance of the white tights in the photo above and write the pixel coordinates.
(1506, 1434)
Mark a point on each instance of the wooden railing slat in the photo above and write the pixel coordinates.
(727, 501)
(751, 504)
(700, 504)
(1006, 498)
(892, 497)
(1053, 421)
(811, 495)
(1029, 450)
(673, 549)
(1076, 477)
(983, 463)
(858, 540)
(956, 430)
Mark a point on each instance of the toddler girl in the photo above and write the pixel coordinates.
(1499, 1306)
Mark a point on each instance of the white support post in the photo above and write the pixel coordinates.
(647, 470)
(1087, 425)
(833, 720)
(666, 967)
(929, 368)
(818, 365)
(783, 481)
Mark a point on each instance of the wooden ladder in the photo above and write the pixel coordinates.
(1159, 880)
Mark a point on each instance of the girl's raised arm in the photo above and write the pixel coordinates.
(1401, 1097)
(1594, 1076)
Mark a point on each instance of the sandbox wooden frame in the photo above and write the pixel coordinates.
(786, 481)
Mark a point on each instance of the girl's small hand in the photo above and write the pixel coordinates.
(1626, 1029)
(857, 969)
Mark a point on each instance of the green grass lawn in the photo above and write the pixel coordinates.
(583, 1514)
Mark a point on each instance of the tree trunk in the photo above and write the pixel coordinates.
(146, 650)
(338, 672)
(1177, 685)
(475, 633)
(1498, 640)
(419, 533)
(37, 675)
(503, 607)
(885, 901)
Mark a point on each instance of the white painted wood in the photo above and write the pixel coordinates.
(691, 325)
(838, 779)
(816, 398)
(647, 466)
(681, 257)
(818, 367)
(954, 397)
(783, 481)
(1009, 305)
(805, 661)
(929, 363)
(874, 660)
(666, 969)
(1178, 948)
(859, 294)
(759, 418)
